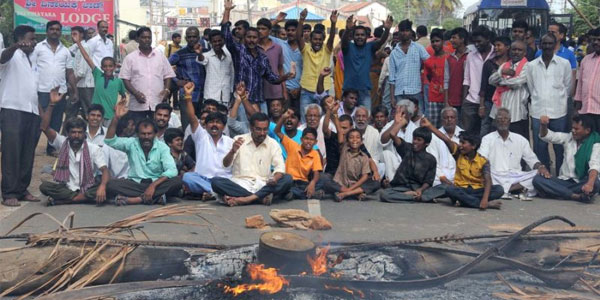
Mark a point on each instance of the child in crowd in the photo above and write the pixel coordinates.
(303, 163)
(174, 139)
(473, 180)
(414, 178)
(108, 86)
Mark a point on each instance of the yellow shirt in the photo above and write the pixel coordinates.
(173, 48)
(469, 173)
(297, 165)
(312, 65)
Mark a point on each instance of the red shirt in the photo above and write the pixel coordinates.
(456, 69)
(433, 68)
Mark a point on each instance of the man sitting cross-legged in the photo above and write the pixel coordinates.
(152, 172)
(302, 161)
(472, 185)
(257, 167)
(352, 177)
(78, 161)
(414, 178)
(211, 146)
(578, 177)
(505, 150)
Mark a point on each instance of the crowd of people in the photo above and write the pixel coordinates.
(272, 113)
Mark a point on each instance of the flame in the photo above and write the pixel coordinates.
(271, 281)
(350, 291)
(318, 264)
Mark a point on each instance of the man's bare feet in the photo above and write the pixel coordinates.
(362, 197)
(231, 201)
(339, 197)
(496, 204)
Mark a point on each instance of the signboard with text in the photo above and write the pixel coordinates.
(69, 13)
(513, 3)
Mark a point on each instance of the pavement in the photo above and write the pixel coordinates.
(352, 220)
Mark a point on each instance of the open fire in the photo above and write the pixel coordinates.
(271, 282)
(350, 291)
(318, 264)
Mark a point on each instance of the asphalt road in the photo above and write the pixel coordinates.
(352, 221)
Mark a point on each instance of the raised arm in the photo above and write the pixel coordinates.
(347, 37)
(299, 31)
(280, 18)
(228, 159)
(55, 97)
(321, 81)
(329, 102)
(392, 132)
(387, 25)
(120, 110)
(76, 36)
(188, 88)
(8, 53)
(229, 6)
(333, 19)
(449, 143)
(280, 122)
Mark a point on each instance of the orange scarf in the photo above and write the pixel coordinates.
(497, 98)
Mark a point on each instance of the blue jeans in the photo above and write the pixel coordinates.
(424, 103)
(561, 189)
(307, 98)
(197, 183)
(364, 99)
(471, 197)
(540, 148)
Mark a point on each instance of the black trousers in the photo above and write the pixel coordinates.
(130, 188)
(20, 134)
(140, 115)
(224, 186)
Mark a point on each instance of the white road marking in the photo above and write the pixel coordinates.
(314, 207)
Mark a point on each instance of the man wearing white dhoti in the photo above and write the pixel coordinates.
(505, 150)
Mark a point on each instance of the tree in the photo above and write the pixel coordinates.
(451, 23)
(7, 21)
(399, 11)
(591, 9)
(444, 7)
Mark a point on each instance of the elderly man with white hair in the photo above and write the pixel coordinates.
(505, 150)
(446, 164)
(314, 119)
(389, 156)
(370, 137)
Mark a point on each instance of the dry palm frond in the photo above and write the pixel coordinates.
(97, 254)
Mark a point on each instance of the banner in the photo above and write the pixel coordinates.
(513, 3)
(69, 13)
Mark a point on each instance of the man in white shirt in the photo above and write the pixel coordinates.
(78, 162)
(549, 81)
(101, 46)
(1, 42)
(505, 150)
(446, 164)
(84, 78)
(218, 84)
(211, 146)
(578, 178)
(258, 170)
(19, 116)
(389, 155)
(54, 65)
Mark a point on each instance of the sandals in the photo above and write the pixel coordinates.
(30, 198)
(50, 202)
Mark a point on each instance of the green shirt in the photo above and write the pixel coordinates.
(160, 163)
(107, 97)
